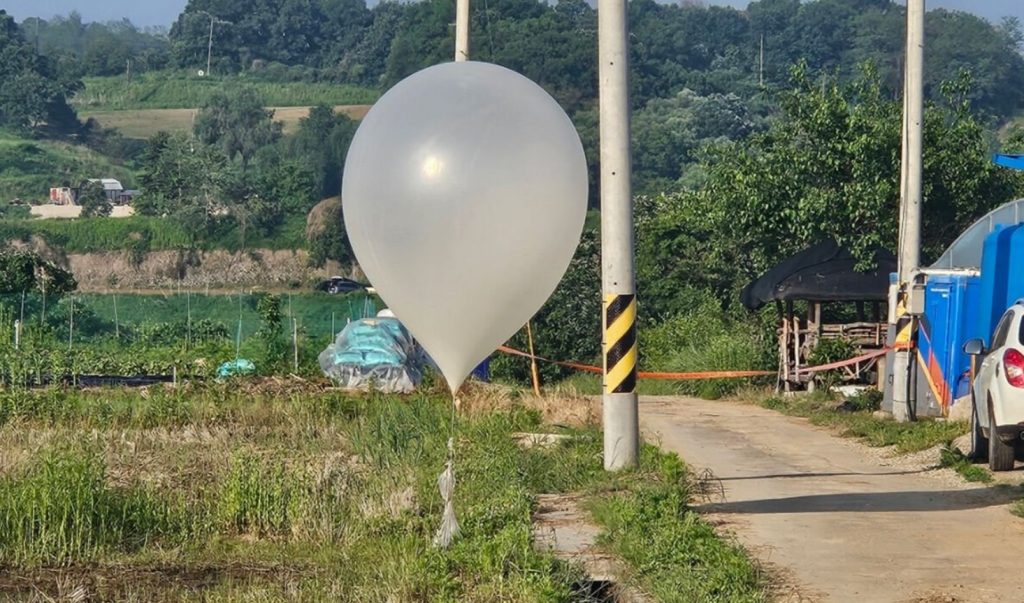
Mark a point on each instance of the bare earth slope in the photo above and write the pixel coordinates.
(840, 522)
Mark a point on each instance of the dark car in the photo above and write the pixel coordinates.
(338, 284)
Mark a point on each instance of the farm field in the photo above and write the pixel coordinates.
(144, 123)
(316, 313)
(270, 490)
(169, 90)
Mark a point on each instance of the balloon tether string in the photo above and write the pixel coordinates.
(446, 484)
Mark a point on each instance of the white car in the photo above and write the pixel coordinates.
(997, 423)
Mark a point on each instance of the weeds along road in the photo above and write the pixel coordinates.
(832, 518)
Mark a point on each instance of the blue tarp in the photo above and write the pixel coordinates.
(236, 368)
(377, 353)
(1014, 162)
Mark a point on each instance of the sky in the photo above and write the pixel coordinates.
(164, 12)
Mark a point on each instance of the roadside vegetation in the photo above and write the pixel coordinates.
(245, 491)
(854, 418)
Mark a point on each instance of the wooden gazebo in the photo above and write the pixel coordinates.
(823, 274)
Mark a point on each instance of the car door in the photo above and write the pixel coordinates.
(990, 365)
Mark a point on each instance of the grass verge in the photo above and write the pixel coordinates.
(854, 418)
(675, 555)
(954, 459)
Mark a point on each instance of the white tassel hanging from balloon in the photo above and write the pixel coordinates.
(449, 528)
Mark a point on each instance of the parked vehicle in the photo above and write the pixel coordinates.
(340, 284)
(997, 421)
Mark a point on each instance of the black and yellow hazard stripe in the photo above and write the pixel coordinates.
(904, 322)
(619, 344)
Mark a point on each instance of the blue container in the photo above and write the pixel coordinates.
(951, 305)
(1002, 278)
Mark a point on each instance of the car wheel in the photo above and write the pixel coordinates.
(333, 289)
(979, 443)
(1000, 454)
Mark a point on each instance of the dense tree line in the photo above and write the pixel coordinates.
(34, 89)
(83, 49)
(674, 46)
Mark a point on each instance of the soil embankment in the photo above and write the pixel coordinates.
(191, 269)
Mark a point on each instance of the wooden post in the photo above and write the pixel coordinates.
(784, 350)
(796, 346)
(533, 361)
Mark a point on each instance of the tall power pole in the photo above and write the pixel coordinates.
(461, 30)
(620, 413)
(904, 398)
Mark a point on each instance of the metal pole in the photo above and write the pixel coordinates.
(620, 413)
(461, 30)
(71, 324)
(295, 343)
(904, 398)
(209, 48)
(117, 322)
(761, 64)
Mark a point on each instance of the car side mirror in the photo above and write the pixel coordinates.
(974, 347)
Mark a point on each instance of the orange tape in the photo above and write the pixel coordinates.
(842, 363)
(647, 375)
(700, 374)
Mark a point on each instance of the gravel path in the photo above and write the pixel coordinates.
(838, 521)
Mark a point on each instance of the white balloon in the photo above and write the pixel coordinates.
(464, 195)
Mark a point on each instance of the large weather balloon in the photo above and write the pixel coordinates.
(464, 195)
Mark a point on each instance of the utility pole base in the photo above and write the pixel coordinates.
(900, 370)
(621, 431)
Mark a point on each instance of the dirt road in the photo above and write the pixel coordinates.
(838, 521)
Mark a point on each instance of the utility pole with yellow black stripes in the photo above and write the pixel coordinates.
(620, 413)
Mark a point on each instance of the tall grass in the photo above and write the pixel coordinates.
(707, 339)
(178, 90)
(61, 510)
(339, 490)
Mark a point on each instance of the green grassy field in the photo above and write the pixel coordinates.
(28, 168)
(144, 123)
(268, 491)
(174, 90)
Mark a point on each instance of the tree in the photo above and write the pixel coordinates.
(321, 144)
(828, 167)
(33, 91)
(93, 199)
(25, 271)
(236, 122)
(668, 133)
(183, 178)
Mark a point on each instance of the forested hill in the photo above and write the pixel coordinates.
(707, 50)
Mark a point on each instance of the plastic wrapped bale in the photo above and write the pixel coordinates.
(235, 368)
(374, 353)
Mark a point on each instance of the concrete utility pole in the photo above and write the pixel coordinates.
(209, 43)
(461, 30)
(621, 417)
(904, 398)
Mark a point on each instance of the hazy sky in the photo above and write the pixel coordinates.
(164, 12)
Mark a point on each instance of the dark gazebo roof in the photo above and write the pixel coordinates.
(823, 272)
